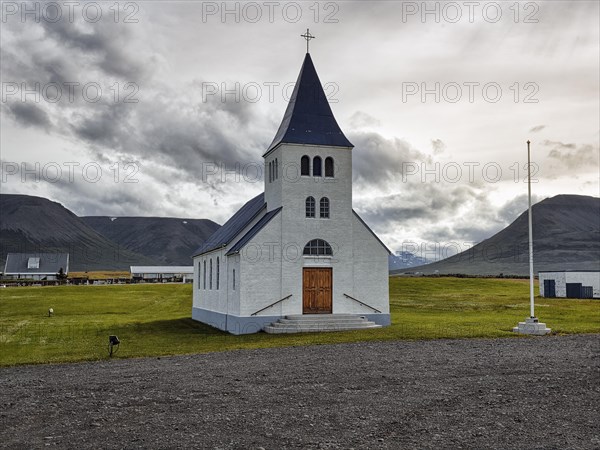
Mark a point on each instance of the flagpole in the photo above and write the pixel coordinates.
(531, 296)
(531, 325)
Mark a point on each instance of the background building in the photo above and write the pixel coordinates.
(158, 274)
(570, 284)
(36, 266)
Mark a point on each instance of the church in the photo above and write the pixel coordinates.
(296, 257)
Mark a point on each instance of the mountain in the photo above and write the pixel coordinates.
(566, 236)
(403, 260)
(35, 224)
(169, 241)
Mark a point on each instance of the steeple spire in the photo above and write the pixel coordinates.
(308, 118)
(308, 37)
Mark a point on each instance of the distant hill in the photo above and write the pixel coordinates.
(35, 224)
(169, 241)
(566, 236)
(403, 260)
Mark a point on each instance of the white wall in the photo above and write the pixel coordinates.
(371, 279)
(206, 298)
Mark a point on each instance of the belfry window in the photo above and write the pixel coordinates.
(276, 174)
(329, 166)
(324, 208)
(210, 275)
(204, 276)
(218, 272)
(305, 165)
(310, 207)
(317, 247)
(317, 166)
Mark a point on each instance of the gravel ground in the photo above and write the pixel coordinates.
(502, 393)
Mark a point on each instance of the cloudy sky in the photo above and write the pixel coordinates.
(164, 109)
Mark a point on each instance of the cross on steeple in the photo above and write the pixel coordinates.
(308, 37)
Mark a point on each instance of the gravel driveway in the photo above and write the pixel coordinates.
(475, 393)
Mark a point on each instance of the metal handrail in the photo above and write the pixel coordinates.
(362, 303)
(272, 304)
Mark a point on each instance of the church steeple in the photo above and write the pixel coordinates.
(308, 118)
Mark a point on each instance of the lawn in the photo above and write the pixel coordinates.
(154, 319)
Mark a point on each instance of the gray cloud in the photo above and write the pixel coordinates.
(438, 146)
(515, 207)
(537, 128)
(573, 156)
(104, 41)
(378, 161)
(28, 114)
(361, 119)
(170, 124)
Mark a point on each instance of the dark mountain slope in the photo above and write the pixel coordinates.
(566, 236)
(35, 224)
(169, 241)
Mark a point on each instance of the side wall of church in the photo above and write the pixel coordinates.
(370, 281)
(211, 294)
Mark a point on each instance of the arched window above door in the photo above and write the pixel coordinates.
(317, 247)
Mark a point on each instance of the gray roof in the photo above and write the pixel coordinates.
(234, 226)
(49, 263)
(308, 118)
(254, 231)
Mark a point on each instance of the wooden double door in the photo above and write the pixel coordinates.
(317, 288)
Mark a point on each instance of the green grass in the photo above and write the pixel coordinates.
(154, 320)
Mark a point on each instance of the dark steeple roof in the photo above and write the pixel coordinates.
(308, 118)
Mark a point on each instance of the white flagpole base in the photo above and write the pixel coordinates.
(532, 326)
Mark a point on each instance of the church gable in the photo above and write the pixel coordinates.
(364, 224)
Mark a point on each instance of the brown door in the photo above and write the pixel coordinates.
(316, 291)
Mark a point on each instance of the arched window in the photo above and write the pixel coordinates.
(305, 165)
(199, 275)
(324, 208)
(317, 247)
(218, 270)
(310, 207)
(317, 166)
(233, 280)
(270, 171)
(210, 275)
(329, 166)
(276, 169)
(204, 276)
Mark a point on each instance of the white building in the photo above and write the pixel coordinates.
(299, 248)
(570, 284)
(162, 273)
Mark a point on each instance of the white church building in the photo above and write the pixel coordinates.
(298, 250)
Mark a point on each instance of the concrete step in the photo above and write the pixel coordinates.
(323, 316)
(319, 323)
(298, 329)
